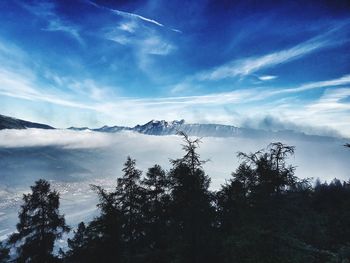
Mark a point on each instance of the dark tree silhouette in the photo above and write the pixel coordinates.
(191, 206)
(100, 241)
(156, 214)
(4, 253)
(191, 157)
(272, 174)
(77, 245)
(263, 208)
(129, 200)
(40, 224)
(264, 214)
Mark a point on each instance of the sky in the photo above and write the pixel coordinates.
(259, 64)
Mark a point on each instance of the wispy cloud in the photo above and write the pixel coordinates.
(145, 43)
(20, 78)
(344, 80)
(331, 101)
(46, 11)
(250, 65)
(156, 46)
(57, 25)
(176, 30)
(17, 86)
(19, 81)
(247, 66)
(129, 26)
(24, 86)
(267, 77)
(132, 16)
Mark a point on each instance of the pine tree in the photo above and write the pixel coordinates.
(97, 242)
(4, 253)
(100, 240)
(272, 174)
(40, 224)
(104, 232)
(232, 199)
(129, 197)
(257, 210)
(191, 206)
(155, 210)
(78, 246)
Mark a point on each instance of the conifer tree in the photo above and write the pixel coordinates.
(99, 241)
(4, 253)
(104, 232)
(129, 197)
(257, 208)
(191, 205)
(77, 245)
(40, 224)
(155, 210)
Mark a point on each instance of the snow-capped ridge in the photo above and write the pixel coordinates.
(163, 127)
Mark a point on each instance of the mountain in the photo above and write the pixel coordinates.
(163, 127)
(156, 127)
(12, 123)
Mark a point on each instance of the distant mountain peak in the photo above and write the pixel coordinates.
(13, 123)
(163, 123)
(162, 127)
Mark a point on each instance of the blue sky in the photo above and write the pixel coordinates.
(260, 64)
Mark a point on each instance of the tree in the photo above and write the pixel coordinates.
(191, 206)
(4, 253)
(232, 199)
(156, 187)
(117, 233)
(77, 245)
(129, 197)
(40, 224)
(257, 209)
(272, 174)
(104, 233)
(101, 239)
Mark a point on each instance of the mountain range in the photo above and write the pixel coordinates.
(155, 127)
(162, 127)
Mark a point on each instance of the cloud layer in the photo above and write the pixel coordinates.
(221, 151)
(73, 160)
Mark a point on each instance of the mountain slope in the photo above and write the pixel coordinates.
(12, 123)
(167, 128)
(162, 127)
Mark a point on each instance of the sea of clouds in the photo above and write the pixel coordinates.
(72, 160)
